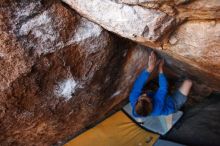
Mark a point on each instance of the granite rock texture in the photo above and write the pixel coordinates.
(60, 72)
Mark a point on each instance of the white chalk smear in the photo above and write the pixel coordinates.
(66, 88)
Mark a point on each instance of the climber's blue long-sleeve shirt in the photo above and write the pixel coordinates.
(162, 104)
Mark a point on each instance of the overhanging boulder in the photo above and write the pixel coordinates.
(186, 33)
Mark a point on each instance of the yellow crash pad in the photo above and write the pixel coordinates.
(117, 130)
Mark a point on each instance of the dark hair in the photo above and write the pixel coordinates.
(143, 108)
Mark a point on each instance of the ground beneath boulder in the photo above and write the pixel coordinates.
(200, 124)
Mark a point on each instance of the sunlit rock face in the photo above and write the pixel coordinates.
(197, 44)
(133, 22)
(186, 31)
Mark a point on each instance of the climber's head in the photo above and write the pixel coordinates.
(143, 106)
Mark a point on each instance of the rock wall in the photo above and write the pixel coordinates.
(186, 31)
(61, 73)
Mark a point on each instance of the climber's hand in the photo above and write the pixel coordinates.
(151, 62)
(161, 66)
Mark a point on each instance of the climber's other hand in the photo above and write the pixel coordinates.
(161, 66)
(151, 62)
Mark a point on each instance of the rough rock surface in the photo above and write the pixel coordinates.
(133, 22)
(59, 72)
(187, 31)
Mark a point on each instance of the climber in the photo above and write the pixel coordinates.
(158, 103)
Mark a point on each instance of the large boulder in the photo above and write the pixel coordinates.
(185, 32)
(60, 73)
